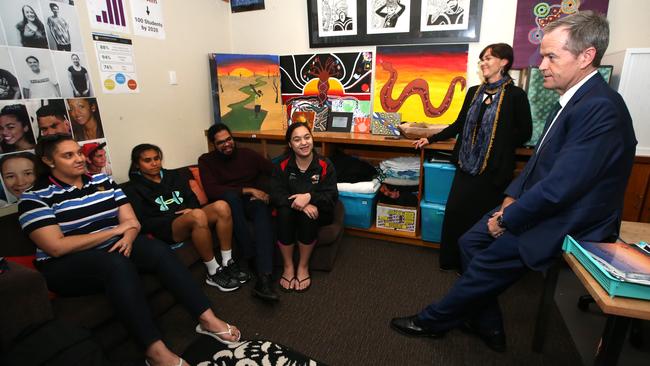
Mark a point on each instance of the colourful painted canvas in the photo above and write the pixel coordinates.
(248, 91)
(385, 123)
(337, 81)
(534, 15)
(307, 117)
(425, 83)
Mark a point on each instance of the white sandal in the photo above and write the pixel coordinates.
(216, 335)
(180, 362)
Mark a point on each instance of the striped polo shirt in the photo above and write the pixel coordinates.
(92, 208)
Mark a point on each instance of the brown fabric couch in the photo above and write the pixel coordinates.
(26, 302)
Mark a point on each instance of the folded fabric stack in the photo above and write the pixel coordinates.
(401, 171)
(360, 187)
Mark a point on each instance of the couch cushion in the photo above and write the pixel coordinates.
(330, 233)
(24, 301)
(187, 254)
(198, 192)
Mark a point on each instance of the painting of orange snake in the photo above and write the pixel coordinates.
(424, 83)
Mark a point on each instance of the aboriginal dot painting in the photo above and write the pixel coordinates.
(534, 15)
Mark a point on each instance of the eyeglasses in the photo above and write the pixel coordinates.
(221, 142)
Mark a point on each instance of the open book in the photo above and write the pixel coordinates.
(625, 262)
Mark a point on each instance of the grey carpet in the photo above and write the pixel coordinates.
(343, 319)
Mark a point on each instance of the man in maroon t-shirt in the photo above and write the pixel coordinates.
(236, 175)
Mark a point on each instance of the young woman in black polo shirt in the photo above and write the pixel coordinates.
(304, 194)
(88, 242)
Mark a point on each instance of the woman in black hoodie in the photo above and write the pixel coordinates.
(168, 209)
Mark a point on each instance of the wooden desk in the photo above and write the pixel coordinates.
(619, 310)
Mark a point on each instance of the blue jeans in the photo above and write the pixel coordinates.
(243, 208)
(94, 271)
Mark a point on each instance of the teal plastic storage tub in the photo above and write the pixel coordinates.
(437, 181)
(431, 215)
(613, 286)
(359, 209)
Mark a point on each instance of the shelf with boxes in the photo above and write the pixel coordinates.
(424, 222)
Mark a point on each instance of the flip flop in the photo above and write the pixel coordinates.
(180, 362)
(301, 281)
(284, 289)
(216, 335)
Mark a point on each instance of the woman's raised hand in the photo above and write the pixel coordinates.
(420, 143)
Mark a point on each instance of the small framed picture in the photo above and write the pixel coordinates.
(238, 6)
(339, 122)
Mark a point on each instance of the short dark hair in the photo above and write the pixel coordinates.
(215, 128)
(502, 51)
(34, 57)
(52, 5)
(50, 110)
(47, 145)
(586, 29)
(137, 151)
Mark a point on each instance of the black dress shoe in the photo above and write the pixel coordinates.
(449, 268)
(410, 326)
(494, 339)
(264, 289)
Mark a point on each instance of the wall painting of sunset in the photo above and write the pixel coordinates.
(246, 91)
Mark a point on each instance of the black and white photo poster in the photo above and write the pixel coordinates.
(388, 16)
(337, 18)
(442, 15)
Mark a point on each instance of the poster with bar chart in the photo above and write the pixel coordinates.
(108, 15)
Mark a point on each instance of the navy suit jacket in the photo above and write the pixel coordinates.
(575, 182)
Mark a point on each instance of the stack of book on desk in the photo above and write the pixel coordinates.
(622, 269)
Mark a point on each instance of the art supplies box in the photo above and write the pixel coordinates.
(399, 218)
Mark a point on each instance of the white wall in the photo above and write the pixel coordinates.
(628, 24)
(173, 117)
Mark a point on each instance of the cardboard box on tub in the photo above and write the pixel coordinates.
(399, 218)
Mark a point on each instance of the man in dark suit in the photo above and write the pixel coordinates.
(573, 184)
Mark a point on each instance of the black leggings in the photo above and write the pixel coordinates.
(295, 226)
(93, 271)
